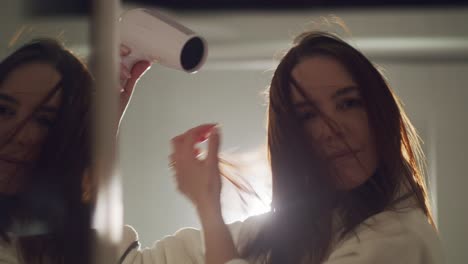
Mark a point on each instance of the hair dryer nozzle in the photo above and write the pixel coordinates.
(157, 38)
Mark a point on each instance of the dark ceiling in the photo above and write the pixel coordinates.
(82, 7)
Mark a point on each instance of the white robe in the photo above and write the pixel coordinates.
(390, 237)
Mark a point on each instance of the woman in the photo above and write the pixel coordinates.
(45, 197)
(348, 183)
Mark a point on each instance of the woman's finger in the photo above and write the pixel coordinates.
(196, 152)
(136, 72)
(176, 142)
(194, 136)
(124, 72)
(213, 146)
(124, 50)
(171, 161)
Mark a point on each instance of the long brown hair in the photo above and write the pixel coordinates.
(304, 200)
(52, 192)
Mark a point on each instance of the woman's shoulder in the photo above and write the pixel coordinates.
(243, 231)
(130, 237)
(8, 253)
(410, 222)
(393, 235)
(182, 246)
(192, 238)
(185, 244)
(251, 222)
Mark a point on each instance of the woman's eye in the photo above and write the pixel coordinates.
(350, 103)
(6, 111)
(307, 115)
(45, 122)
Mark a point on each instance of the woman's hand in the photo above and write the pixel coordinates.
(198, 179)
(128, 79)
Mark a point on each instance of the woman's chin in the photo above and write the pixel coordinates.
(348, 180)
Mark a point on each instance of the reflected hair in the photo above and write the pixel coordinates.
(52, 192)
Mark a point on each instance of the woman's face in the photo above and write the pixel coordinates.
(20, 93)
(349, 149)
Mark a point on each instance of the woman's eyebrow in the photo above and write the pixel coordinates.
(340, 92)
(345, 91)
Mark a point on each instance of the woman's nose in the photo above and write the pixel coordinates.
(26, 136)
(327, 128)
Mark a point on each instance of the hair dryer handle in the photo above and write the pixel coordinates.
(130, 60)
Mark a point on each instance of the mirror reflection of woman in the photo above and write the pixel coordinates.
(348, 181)
(46, 196)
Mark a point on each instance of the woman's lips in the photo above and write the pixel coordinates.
(342, 154)
(12, 160)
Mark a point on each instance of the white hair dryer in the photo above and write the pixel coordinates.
(155, 37)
